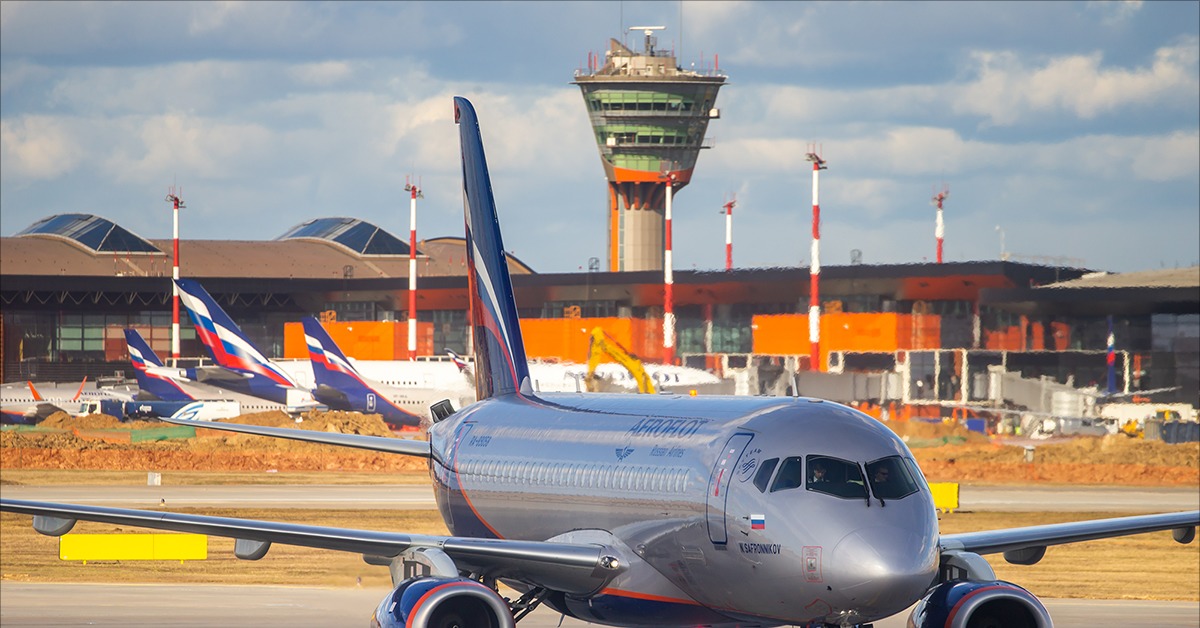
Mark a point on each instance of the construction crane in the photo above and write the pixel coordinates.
(601, 344)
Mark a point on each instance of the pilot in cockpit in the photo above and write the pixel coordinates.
(817, 474)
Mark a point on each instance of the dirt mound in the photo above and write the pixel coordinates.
(919, 433)
(1115, 449)
(64, 421)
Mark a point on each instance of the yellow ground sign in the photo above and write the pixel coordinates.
(945, 495)
(87, 547)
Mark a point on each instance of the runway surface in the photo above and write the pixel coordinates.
(33, 604)
(987, 498)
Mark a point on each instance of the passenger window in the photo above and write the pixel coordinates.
(791, 475)
(890, 478)
(764, 474)
(833, 476)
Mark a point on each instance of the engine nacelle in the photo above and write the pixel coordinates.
(432, 602)
(976, 604)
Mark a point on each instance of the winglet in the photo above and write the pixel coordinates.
(78, 393)
(33, 391)
(500, 366)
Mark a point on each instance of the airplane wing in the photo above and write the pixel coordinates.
(570, 567)
(360, 441)
(996, 541)
(29, 411)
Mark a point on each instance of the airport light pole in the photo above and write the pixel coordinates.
(729, 233)
(1003, 255)
(415, 193)
(668, 277)
(814, 298)
(939, 231)
(176, 204)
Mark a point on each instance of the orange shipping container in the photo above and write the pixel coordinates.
(567, 338)
(362, 340)
(787, 334)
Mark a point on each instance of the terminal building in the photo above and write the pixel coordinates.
(70, 283)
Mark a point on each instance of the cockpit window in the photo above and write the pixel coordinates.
(791, 475)
(764, 474)
(832, 476)
(890, 478)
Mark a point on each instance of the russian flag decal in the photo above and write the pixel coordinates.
(758, 522)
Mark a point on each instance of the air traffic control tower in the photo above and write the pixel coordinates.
(649, 117)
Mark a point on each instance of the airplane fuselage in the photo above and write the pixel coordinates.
(698, 495)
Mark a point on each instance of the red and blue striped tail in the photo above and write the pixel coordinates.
(500, 366)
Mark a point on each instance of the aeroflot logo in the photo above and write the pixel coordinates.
(666, 428)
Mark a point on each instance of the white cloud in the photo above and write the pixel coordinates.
(1007, 91)
(37, 147)
(208, 17)
(1115, 12)
(325, 73)
(172, 145)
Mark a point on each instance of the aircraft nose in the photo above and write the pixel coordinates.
(883, 568)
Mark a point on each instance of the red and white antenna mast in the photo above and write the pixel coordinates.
(939, 231)
(729, 232)
(415, 193)
(814, 298)
(668, 276)
(177, 204)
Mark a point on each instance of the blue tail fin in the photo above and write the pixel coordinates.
(340, 386)
(327, 358)
(225, 342)
(500, 366)
(143, 357)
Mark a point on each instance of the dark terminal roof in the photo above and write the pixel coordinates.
(357, 235)
(93, 232)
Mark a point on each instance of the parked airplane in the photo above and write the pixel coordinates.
(171, 384)
(24, 404)
(241, 367)
(652, 510)
(340, 386)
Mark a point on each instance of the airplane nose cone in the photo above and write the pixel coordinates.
(881, 570)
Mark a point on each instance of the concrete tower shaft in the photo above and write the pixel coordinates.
(649, 118)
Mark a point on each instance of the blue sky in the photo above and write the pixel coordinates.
(1073, 127)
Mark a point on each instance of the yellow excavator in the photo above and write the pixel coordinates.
(600, 345)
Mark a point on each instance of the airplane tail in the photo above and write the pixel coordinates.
(500, 366)
(143, 358)
(328, 362)
(463, 366)
(224, 341)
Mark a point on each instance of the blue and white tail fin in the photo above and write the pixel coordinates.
(225, 342)
(339, 384)
(500, 366)
(143, 357)
(330, 365)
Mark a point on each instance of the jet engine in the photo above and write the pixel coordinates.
(433, 602)
(979, 604)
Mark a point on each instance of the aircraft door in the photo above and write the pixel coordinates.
(718, 485)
